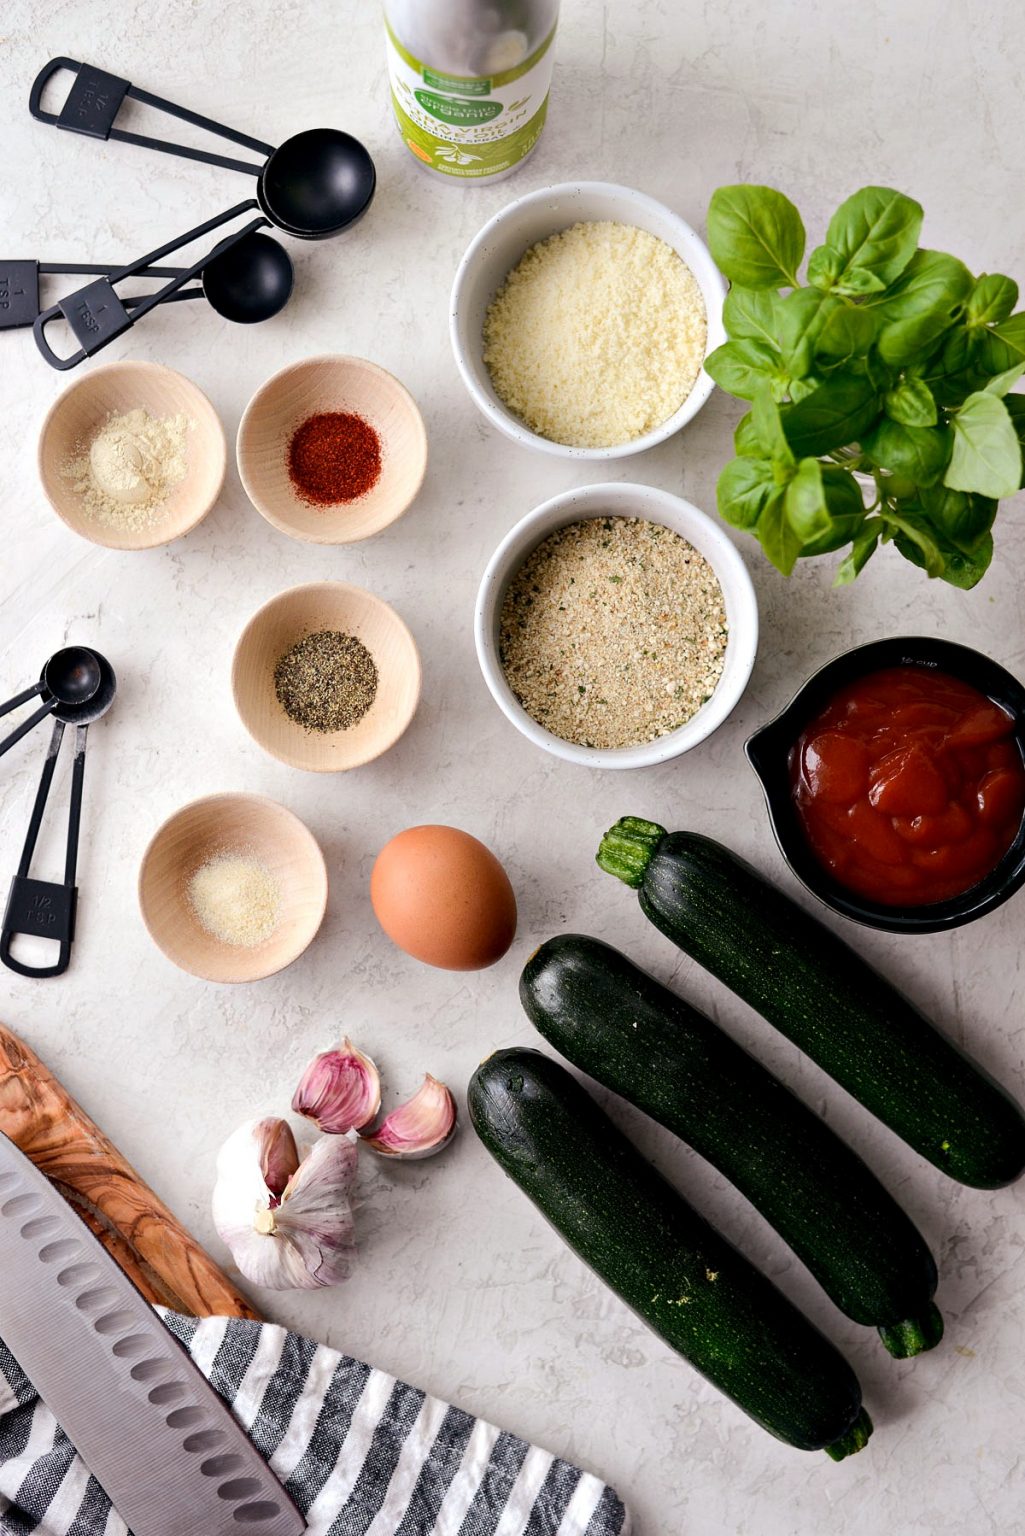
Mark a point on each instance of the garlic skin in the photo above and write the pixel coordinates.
(298, 1236)
(279, 1155)
(340, 1091)
(422, 1126)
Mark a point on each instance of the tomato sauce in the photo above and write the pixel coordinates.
(910, 786)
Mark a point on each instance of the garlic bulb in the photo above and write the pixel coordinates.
(420, 1127)
(287, 1222)
(340, 1090)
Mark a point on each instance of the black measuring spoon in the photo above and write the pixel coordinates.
(313, 186)
(43, 907)
(71, 677)
(246, 278)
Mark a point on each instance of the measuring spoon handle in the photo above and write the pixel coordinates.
(26, 725)
(22, 698)
(97, 315)
(95, 98)
(41, 907)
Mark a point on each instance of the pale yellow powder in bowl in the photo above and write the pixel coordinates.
(235, 898)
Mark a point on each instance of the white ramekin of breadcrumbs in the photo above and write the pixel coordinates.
(580, 319)
(616, 626)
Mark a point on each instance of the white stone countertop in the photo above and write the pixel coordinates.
(461, 1287)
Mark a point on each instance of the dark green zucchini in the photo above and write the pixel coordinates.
(813, 988)
(681, 1277)
(632, 1035)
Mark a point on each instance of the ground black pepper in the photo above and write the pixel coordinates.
(326, 682)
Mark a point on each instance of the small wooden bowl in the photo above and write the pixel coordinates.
(232, 823)
(331, 384)
(277, 626)
(77, 415)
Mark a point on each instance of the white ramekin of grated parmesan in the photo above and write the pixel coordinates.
(616, 626)
(580, 319)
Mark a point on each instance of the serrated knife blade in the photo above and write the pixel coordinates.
(144, 1419)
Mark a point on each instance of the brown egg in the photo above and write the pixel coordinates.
(443, 897)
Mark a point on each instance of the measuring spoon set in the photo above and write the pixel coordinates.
(77, 686)
(313, 186)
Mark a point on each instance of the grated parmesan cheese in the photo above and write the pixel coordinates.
(596, 336)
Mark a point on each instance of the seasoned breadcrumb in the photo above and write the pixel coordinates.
(613, 632)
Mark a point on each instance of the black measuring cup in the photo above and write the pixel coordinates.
(247, 277)
(313, 186)
(82, 685)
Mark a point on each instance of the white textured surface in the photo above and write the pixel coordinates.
(461, 1287)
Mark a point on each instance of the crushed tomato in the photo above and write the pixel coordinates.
(910, 786)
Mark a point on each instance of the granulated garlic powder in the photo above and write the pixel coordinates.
(127, 470)
(597, 335)
(613, 632)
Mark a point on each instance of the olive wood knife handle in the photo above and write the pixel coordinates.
(148, 1242)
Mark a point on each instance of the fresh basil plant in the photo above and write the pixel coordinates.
(888, 367)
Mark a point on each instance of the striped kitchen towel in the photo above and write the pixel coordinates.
(360, 1453)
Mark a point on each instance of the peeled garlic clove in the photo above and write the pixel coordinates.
(340, 1090)
(420, 1127)
(300, 1236)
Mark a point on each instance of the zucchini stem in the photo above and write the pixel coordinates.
(626, 850)
(915, 1334)
(853, 1439)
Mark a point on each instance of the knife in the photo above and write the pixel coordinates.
(146, 1422)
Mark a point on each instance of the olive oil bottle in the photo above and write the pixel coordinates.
(470, 80)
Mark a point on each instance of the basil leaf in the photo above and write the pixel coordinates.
(961, 517)
(921, 306)
(768, 424)
(800, 318)
(847, 331)
(1005, 381)
(804, 503)
(916, 541)
(1014, 405)
(875, 232)
(745, 439)
(966, 570)
(749, 313)
(740, 366)
(824, 267)
(922, 546)
(756, 236)
(1002, 346)
(800, 389)
(911, 403)
(864, 546)
(777, 538)
(858, 282)
(955, 372)
(986, 455)
(744, 488)
(846, 510)
(992, 299)
(920, 453)
(833, 415)
(818, 329)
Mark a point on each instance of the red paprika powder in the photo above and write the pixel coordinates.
(333, 457)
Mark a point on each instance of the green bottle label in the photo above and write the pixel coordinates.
(470, 128)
